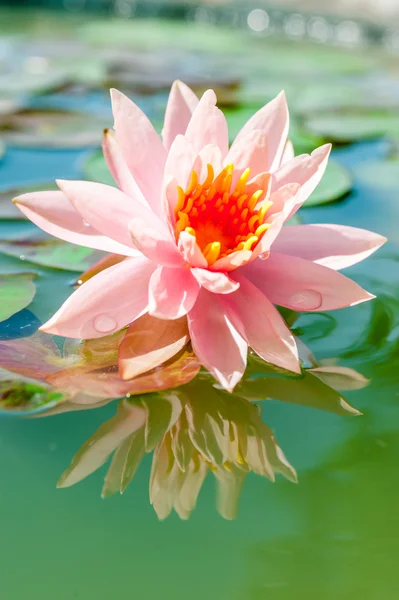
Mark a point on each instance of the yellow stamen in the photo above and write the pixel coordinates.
(249, 243)
(252, 221)
(212, 252)
(227, 466)
(244, 214)
(254, 199)
(193, 183)
(233, 210)
(263, 210)
(261, 229)
(190, 230)
(189, 205)
(183, 219)
(241, 183)
(210, 176)
(241, 200)
(181, 198)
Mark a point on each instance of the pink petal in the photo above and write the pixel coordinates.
(118, 167)
(282, 203)
(141, 146)
(273, 120)
(334, 246)
(155, 243)
(218, 346)
(52, 212)
(172, 293)
(208, 125)
(210, 155)
(106, 303)
(181, 104)
(108, 210)
(232, 261)
(190, 250)
(289, 153)
(305, 170)
(261, 325)
(217, 283)
(149, 342)
(180, 162)
(302, 285)
(250, 152)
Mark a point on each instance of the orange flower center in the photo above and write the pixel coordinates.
(222, 219)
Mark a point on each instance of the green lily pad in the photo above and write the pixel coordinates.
(53, 253)
(95, 168)
(336, 183)
(348, 127)
(43, 128)
(16, 292)
(20, 396)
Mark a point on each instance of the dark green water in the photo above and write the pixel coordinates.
(334, 535)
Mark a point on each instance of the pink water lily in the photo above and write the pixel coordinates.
(201, 227)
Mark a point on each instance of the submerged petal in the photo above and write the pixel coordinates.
(149, 342)
(105, 303)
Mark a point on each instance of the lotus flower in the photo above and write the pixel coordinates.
(202, 229)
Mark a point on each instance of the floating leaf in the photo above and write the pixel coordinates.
(53, 253)
(347, 127)
(52, 129)
(23, 396)
(16, 293)
(335, 183)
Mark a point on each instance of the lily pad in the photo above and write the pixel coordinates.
(336, 183)
(22, 396)
(348, 127)
(95, 168)
(53, 253)
(16, 292)
(44, 128)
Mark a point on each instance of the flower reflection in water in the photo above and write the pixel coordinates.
(190, 423)
(197, 429)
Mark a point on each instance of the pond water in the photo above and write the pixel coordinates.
(336, 532)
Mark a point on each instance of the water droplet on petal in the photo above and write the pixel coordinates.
(22, 257)
(105, 324)
(86, 224)
(127, 395)
(79, 282)
(306, 300)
